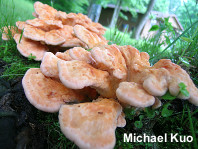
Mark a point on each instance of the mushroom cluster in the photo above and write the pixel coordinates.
(53, 31)
(90, 89)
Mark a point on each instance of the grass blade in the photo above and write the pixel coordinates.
(175, 39)
(192, 129)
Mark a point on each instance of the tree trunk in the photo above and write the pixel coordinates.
(94, 11)
(115, 14)
(90, 8)
(97, 13)
(142, 20)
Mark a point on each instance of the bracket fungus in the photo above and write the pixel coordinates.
(91, 125)
(121, 75)
(27, 47)
(44, 11)
(78, 74)
(45, 25)
(49, 65)
(90, 38)
(134, 95)
(178, 75)
(110, 59)
(113, 75)
(47, 94)
(55, 30)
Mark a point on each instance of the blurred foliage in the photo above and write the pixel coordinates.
(12, 11)
(187, 12)
(138, 6)
(75, 6)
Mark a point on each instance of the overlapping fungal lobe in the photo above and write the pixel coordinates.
(157, 103)
(49, 65)
(91, 125)
(135, 61)
(178, 75)
(96, 28)
(33, 33)
(29, 47)
(45, 25)
(70, 39)
(79, 53)
(78, 74)
(34, 14)
(154, 80)
(44, 11)
(134, 95)
(45, 93)
(121, 122)
(53, 38)
(89, 38)
(8, 32)
(110, 59)
(73, 19)
(60, 16)
(76, 53)
(21, 25)
(64, 55)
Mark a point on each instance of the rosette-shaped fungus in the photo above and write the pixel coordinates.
(70, 81)
(117, 74)
(122, 72)
(54, 30)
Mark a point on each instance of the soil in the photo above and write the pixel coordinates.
(19, 123)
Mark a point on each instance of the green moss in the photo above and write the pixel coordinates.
(17, 65)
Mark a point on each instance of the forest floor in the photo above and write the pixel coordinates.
(20, 125)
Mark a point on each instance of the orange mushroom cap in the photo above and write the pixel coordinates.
(64, 56)
(34, 33)
(178, 75)
(78, 74)
(70, 39)
(109, 58)
(91, 125)
(29, 47)
(44, 11)
(49, 65)
(45, 25)
(47, 94)
(134, 95)
(89, 38)
(53, 38)
(78, 53)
